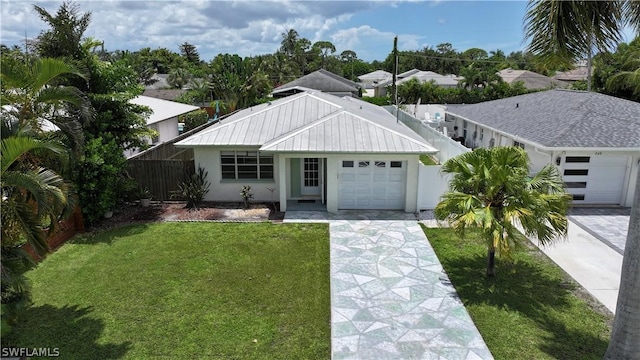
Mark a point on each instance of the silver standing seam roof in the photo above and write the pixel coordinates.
(313, 122)
(561, 118)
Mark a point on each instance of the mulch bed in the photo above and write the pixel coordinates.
(131, 213)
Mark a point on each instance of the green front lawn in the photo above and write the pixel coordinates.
(184, 291)
(529, 310)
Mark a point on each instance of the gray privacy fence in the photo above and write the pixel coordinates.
(160, 169)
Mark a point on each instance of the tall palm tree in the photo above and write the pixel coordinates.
(32, 95)
(563, 31)
(625, 334)
(491, 190)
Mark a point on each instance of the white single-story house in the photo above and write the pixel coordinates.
(312, 146)
(445, 81)
(593, 139)
(369, 80)
(163, 118)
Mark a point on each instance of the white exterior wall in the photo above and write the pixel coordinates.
(227, 189)
(168, 129)
(432, 185)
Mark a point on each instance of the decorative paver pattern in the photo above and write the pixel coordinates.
(390, 298)
(609, 225)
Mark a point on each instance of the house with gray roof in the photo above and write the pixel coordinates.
(530, 80)
(446, 81)
(593, 139)
(340, 152)
(370, 79)
(321, 80)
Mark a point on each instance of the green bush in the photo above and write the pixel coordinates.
(194, 119)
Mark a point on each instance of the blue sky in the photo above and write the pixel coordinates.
(255, 27)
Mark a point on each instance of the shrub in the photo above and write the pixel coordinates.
(194, 119)
(193, 189)
(246, 196)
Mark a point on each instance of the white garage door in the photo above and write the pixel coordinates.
(367, 184)
(595, 179)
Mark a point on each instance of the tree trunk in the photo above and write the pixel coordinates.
(491, 262)
(625, 335)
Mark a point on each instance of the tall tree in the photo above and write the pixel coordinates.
(625, 334)
(564, 31)
(65, 36)
(491, 190)
(289, 42)
(190, 53)
(324, 50)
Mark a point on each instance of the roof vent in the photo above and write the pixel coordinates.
(517, 105)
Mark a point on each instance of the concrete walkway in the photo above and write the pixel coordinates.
(390, 298)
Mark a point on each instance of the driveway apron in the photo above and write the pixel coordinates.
(390, 298)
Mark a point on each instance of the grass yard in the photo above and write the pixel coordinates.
(529, 310)
(184, 291)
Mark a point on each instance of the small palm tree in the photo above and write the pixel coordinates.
(491, 190)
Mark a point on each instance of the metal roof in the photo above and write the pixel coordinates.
(561, 118)
(313, 121)
(162, 109)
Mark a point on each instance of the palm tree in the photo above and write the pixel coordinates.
(625, 343)
(30, 195)
(629, 77)
(570, 29)
(31, 96)
(491, 190)
(563, 31)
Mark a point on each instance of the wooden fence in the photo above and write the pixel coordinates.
(161, 168)
(160, 177)
(65, 229)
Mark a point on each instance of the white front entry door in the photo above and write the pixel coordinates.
(310, 177)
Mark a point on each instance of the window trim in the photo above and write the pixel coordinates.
(250, 159)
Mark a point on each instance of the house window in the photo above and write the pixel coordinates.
(577, 159)
(396, 164)
(578, 172)
(481, 134)
(576, 184)
(380, 164)
(246, 165)
(363, 164)
(347, 164)
(518, 144)
(578, 196)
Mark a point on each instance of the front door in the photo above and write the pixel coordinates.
(310, 176)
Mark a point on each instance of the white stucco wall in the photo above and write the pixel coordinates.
(168, 129)
(229, 190)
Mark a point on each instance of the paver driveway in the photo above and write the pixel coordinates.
(390, 298)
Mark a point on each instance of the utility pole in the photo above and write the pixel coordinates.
(394, 88)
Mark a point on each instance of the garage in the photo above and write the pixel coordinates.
(372, 184)
(595, 179)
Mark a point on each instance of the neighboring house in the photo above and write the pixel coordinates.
(321, 80)
(577, 74)
(445, 81)
(163, 118)
(594, 139)
(339, 151)
(164, 94)
(370, 80)
(530, 79)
